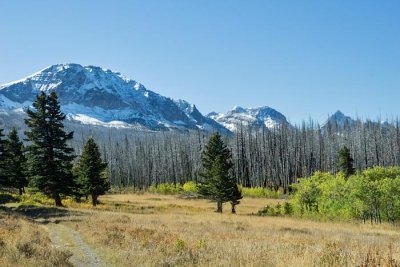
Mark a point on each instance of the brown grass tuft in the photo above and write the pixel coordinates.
(375, 258)
(23, 243)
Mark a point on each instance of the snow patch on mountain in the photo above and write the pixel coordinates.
(255, 117)
(104, 96)
(84, 119)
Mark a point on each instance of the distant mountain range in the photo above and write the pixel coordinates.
(339, 119)
(91, 95)
(254, 117)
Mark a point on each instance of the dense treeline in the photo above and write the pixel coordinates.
(261, 157)
(46, 163)
(272, 158)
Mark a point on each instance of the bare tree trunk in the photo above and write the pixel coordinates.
(219, 206)
(94, 200)
(233, 208)
(57, 200)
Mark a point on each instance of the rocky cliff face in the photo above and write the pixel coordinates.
(91, 94)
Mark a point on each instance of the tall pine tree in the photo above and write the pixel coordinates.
(3, 157)
(16, 162)
(345, 163)
(218, 183)
(49, 157)
(92, 172)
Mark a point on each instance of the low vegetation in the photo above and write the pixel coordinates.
(24, 243)
(163, 230)
(166, 230)
(372, 195)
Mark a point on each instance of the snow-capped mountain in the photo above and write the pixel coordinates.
(92, 95)
(338, 119)
(254, 117)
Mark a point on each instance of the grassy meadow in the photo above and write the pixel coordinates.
(26, 243)
(167, 230)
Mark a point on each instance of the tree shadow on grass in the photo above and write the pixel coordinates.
(41, 214)
(8, 198)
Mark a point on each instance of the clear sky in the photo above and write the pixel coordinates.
(303, 58)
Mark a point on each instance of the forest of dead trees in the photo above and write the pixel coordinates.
(272, 158)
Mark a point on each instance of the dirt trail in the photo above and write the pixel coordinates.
(66, 238)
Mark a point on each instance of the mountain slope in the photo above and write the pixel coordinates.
(92, 95)
(255, 117)
(338, 119)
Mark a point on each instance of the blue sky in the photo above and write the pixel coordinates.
(303, 58)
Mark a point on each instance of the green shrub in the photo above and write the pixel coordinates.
(166, 189)
(189, 187)
(153, 188)
(261, 192)
(287, 209)
(36, 199)
(373, 194)
(307, 192)
(270, 211)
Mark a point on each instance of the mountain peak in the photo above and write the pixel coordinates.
(105, 96)
(237, 109)
(338, 113)
(340, 119)
(255, 117)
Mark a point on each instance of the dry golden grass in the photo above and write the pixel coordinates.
(153, 203)
(158, 230)
(161, 230)
(23, 243)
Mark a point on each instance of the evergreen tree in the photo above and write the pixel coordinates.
(91, 172)
(217, 166)
(236, 196)
(345, 163)
(16, 162)
(3, 174)
(49, 157)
